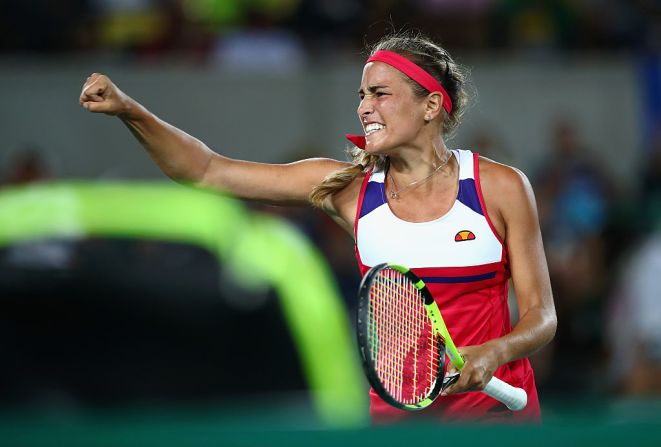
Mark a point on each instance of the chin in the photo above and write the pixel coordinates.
(378, 146)
(381, 149)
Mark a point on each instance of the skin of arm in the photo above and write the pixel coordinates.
(186, 159)
(511, 206)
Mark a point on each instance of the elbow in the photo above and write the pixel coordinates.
(550, 326)
(204, 172)
(542, 325)
(182, 177)
(200, 176)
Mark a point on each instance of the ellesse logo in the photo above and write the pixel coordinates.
(464, 235)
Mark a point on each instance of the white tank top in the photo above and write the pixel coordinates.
(462, 237)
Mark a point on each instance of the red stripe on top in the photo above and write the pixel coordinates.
(478, 187)
(361, 196)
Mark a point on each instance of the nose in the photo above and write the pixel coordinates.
(365, 107)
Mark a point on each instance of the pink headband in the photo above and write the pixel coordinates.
(414, 72)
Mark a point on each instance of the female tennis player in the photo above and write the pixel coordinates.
(463, 222)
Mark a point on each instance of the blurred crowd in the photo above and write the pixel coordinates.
(231, 33)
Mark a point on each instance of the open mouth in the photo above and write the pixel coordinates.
(372, 128)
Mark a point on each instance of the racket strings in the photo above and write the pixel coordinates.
(407, 352)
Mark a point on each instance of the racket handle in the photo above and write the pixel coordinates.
(514, 398)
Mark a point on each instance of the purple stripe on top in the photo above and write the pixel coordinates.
(468, 195)
(457, 279)
(374, 197)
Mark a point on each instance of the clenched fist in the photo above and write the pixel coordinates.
(100, 95)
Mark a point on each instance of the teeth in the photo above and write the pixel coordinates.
(373, 127)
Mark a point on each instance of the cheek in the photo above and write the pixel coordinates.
(406, 119)
(406, 110)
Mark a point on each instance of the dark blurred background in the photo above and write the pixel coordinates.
(569, 91)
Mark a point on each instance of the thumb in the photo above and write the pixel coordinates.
(450, 368)
(97, 106)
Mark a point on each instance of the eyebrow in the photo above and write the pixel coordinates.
(372, 88)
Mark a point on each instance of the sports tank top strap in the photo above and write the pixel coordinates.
(466, 162)
(469, 188)
(372, 193)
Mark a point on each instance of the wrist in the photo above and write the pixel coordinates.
(132, 111)
(499, 351)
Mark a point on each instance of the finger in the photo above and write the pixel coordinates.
(448, 382)
(94, 89)
(85, 95)
(466, 382)
(96, 98)
(455, 388)
(89, 98)
(96, 107)
(452, 389)
(91, 79)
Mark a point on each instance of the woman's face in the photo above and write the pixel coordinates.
(390, 113)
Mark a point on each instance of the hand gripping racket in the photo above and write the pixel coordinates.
(403, 341)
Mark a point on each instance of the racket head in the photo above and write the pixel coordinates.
(402, 350)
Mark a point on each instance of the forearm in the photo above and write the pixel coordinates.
(534, 330)
(179, 155)
(186, 159)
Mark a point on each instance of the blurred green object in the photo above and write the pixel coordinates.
(218, 14)
(213, 13)
(260, 250)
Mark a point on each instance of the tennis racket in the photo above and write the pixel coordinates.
(403, 341)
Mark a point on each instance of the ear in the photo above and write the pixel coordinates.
(433, 105)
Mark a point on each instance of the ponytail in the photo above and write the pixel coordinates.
(336, 181)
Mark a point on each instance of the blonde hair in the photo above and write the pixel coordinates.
(361, 162)
(437, 62)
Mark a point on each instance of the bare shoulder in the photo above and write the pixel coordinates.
(349, 194)
(498, 178)
(507, 193)
(343, 204)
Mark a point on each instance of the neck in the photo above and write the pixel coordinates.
(418, 161)
(396, 190)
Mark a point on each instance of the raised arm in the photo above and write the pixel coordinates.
(511, 207)
(186, 159)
